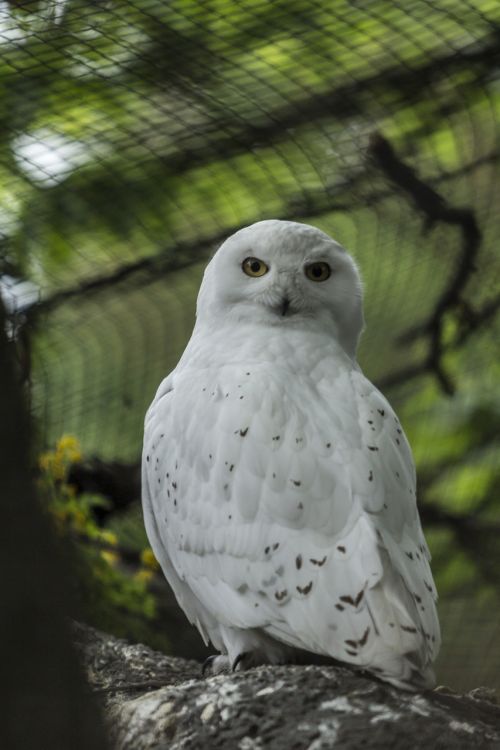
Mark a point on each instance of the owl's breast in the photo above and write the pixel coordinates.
(233, 443)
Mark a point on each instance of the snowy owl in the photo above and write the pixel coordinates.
(278, 485)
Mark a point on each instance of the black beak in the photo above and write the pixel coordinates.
(285, 305)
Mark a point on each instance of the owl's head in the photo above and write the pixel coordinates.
(281, 273)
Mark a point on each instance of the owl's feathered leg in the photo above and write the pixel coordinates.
(245, 648)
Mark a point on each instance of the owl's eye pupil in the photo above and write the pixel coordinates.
(316, 271)
(255, 266)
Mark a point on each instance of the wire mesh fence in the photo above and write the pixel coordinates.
(136, 136)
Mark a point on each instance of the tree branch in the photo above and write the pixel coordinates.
(435, 209)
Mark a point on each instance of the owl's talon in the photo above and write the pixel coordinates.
(207, 664)
(216, 664)
(239, 660)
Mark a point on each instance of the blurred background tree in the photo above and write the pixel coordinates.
(135, 136)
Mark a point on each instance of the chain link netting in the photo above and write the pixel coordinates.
(135, 136)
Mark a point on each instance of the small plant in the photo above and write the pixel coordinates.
(113, 595)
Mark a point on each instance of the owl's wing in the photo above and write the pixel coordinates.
(155, 517)
(293, 512)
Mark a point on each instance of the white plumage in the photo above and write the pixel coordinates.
(278, 485)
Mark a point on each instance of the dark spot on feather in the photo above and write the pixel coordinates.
(351, 653)
(359, 597)
(370, 421)
(370, 476)
(299, 440)
(158, 480)
(231, 467)
(381, 412)
(305, 589)
(276, 545)
(298, 562)
(397, 441)
(247, 373)
(280, 595)
(168, 493)
(341, 548)
(243, 432)
(347, 599)
(210, 455)
(364, 637)
(417, 598)
(226, 486)
(267, 550)
(274, 475)
(339, 607)
(240, 400)
(229, 516)
(174, 485)
(276, 437)
(319, 563)
(391, 624)
(175, 502)
(397, 474)
(147, 458)
(372, 448)
(296, 482)
(328, 445)
(409, 554)
(429, 588)
(352, 644)
(398, 431)
(408, 628)
(300, 506)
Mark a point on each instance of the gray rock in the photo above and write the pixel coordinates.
(154, 702)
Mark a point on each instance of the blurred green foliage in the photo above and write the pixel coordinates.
(137, 134)
(111, 595)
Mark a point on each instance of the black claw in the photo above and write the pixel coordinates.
(206, 664)
(239, 658)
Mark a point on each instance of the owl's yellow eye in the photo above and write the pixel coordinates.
(254, 267)
(319, 271)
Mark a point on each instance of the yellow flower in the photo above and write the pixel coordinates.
(58, 469)
(111, 557)
(45, 460)
(149, 560)
(109, 537)
(79, 520)
(68, 447)
(143, 575)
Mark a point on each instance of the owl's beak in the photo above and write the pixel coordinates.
(285, 305)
